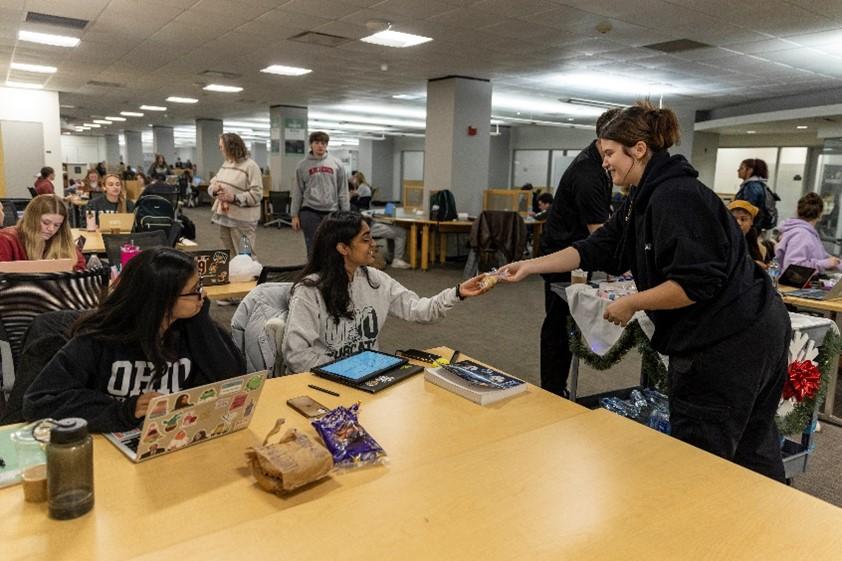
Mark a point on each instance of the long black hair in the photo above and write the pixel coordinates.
(326, 269)
(133, 312)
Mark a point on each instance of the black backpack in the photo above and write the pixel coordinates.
(770, 209)
(153, 213)
(443, 206)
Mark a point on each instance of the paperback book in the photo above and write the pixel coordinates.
(473, 381)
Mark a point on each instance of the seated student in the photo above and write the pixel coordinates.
(151, 335)
(42, 233)
(761, 251)
(545, 201)
(44, 183)
(159, 186)
(800, 243)
(113, 199)
(341, 304)
(359, 191)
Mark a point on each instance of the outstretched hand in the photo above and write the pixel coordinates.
(474, 287)
(513, 272)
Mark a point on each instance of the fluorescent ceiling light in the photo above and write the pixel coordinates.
(322, 125)
(396, 39)
(34, 68)
(176, 99)
(48, 39)
(152, 108)
(115, 118)
(244, 124)
(751, 132)
(80, 129)
(802, 127)
(222, 88)
(534, 104)
(380, 109)
(63, 106)
(102, 122)
(27, 85)
(282, 70)
(611, 83)
(592, 103)
(92, 125)
(347, 118)
(131, 114)
(407, 96)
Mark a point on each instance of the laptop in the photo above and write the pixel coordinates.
(38, 266)
(797, 276)
(365, 366)
(182, 419)
(818, 293)
(120, 221)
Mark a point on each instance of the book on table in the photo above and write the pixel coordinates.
(473, 381)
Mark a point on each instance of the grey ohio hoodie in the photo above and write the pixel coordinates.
(320, 184)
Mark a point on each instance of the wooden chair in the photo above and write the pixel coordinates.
(132, 189)
(507, 199)
(413, 195)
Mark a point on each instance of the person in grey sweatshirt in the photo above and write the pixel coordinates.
(321, 187)
(341, 304)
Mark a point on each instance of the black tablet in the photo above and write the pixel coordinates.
(797, 276)
(359, 367)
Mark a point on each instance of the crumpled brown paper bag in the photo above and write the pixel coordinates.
(292, 462)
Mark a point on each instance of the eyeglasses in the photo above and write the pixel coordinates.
(198, 292)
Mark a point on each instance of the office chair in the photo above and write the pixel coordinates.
(279, 202)
(143, 240)
(33, 192)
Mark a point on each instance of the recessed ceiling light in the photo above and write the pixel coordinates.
(802, 127)
(406, 96)
(102, 122)
(176, 99)
(92, 125)
(34, 68)
(63, 106)
(48, 39)
(751, 132)
(396, 39)
(153, 108)
(222, 88)
(80, 129)
(131, 114)
(282, 70)
(27, 85)
(115, 118)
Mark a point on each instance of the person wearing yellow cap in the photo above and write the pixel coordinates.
(761, 251)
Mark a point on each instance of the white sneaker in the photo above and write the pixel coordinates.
(400, 264)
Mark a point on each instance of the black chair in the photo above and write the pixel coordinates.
(11, 208)
(288, 273)
(279, 202)
(144, 240)
(33, 192)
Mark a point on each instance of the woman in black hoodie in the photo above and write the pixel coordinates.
(150, 336)
(716, 314)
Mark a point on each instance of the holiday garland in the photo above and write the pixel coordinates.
(654, 371)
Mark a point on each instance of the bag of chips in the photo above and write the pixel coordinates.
(348, 442)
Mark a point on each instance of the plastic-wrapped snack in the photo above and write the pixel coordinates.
(618, 406)
(348, 442)
(488, 281)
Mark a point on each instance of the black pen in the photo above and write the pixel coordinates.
(329, 392)
(454, 357)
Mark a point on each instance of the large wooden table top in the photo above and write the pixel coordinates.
(533, 477)
(95, 244)
(834, 306)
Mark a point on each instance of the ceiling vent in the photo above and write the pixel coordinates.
(59, 21)
(677, 46)
(101, 84)
(321, 39)
(219, 74)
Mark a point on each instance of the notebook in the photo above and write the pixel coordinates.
(359, 367)
(818, 293)
(179, 420)
(38, 266)
(797, 276)
(121, 221)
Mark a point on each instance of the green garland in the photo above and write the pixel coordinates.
(653, 369)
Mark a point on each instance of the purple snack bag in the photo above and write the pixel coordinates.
(347, 441)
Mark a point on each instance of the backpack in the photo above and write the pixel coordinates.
(770, 210)
(153, 212)
(443, 206)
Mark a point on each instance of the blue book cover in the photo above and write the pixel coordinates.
(482, 375)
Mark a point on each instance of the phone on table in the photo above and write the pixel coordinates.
(307, 406)
(421, 356)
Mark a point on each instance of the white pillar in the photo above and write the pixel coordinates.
(163, 142)
(288, 143)
(259, 153)
(457, 144)
(208, 157)
(134, 149)
(112, 149)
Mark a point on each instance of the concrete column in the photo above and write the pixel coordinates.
(457, 144)
(259, 153)
(288, 143)
(686, 121)
(134, 149)
(208, 157)
(112, 149)
(374, 159)
(163, 142)
(500, 159)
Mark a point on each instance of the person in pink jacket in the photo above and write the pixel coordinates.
(800, 243)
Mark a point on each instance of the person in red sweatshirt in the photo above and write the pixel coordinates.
(44, 184)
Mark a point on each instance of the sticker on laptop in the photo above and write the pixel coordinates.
(154, 450)
(222, 403)
(220, 429)
(238, 401)
(232, 386)
(180, 441)
(171, 423)
(202, 434)
(190, 419)
(253, 383)
(182, 402)
(159, 410)
(152, 434)
(249, 409)
(209, 393)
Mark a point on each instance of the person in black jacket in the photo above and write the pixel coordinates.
(151, 335)
(582, 204)
(716, 314)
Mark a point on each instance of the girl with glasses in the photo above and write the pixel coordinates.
(150, 336)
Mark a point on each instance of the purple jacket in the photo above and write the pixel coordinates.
(800, 245)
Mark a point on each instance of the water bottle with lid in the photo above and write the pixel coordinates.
(774, 272)
(245, 245)
(70, 469)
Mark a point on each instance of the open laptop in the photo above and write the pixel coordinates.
(797, 276)
(38, 266)
(178, 420)
(120, 221)
(818, 293)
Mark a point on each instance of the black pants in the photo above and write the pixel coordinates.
(555, 346)
(723, 399)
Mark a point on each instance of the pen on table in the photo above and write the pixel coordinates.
(454, 357)
(329, 392)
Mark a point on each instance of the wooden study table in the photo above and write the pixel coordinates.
(94, 243)
(230, 290)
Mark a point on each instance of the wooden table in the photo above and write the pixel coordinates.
(95, 244)
(230, 290)
(533, 477)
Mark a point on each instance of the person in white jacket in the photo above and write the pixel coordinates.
(341, 304)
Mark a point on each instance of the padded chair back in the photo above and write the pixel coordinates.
(11, 208)
(144, 240)
(497, 237)
(23, 297)
(257, 326)
(33, 192)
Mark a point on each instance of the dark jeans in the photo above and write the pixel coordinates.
(723, 399)
(555, 346)
(310, 220)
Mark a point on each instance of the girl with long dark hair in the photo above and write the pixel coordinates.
(150, 336)
(341, 304)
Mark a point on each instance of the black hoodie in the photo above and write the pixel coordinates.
(673, 227)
